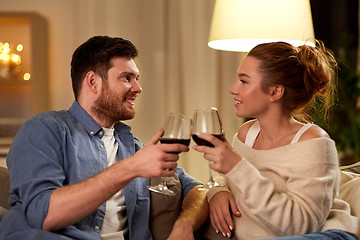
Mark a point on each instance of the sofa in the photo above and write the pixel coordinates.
(4, 191)
(349, 191)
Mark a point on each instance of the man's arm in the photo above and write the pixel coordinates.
(195, 210)
(70, 204)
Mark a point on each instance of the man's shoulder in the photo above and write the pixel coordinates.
(61, 114)
(52, 116)
(51, 119)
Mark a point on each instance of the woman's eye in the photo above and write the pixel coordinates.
(242, 81)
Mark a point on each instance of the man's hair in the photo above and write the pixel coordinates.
(95, 55)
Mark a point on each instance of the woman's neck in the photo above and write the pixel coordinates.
(276, 132)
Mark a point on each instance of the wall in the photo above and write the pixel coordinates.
(178, 71)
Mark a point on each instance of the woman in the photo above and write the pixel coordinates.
(282, 171)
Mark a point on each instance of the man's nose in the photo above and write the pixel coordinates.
(136, 87)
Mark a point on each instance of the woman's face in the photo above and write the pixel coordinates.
(250, 99)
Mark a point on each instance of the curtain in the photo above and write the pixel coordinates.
(178, 71)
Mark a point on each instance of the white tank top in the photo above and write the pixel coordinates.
(255, 130)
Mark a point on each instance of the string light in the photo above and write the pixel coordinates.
(27, 76)
(10, 62)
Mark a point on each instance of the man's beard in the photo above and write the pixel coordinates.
(110, 108)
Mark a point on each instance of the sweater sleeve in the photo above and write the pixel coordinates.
(223, 187)
(310, 185)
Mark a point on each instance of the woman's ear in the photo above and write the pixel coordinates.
(276, 92)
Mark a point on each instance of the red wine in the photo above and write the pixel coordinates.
(175, 140)
(200, 141)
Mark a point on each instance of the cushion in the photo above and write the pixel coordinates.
(4, 187)
(354, 168)
(349, 190)
(164, 209)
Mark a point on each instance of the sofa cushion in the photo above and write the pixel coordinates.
(4, 187)
(164, 209)
(349, 190)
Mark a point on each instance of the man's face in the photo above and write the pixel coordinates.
(118, 93)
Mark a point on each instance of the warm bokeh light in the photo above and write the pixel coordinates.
(19, 47)
(4, 57)
(6, 49)
(27, 76)
(10, 62)
(15, 59)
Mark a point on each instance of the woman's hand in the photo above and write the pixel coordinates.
(222, 156)
(220, 217)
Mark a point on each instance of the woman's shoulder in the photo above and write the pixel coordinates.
(244, 129)
(314, 132)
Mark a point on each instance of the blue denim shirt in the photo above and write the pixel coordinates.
(60, 148)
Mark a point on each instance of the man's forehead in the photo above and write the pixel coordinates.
(125, 65)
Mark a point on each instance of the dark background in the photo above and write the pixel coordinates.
(336, 24)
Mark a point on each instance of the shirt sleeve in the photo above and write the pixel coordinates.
(138, 144)
(187, 181)
(35, 164)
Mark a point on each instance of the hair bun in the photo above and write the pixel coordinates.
(319, 67)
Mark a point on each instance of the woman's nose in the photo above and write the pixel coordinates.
(233, 90)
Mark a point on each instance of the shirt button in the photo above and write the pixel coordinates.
(96, 228)
(101, 146)
(91, 132)
(101, 133)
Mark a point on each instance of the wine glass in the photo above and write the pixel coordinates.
(207, 120)
(176, 130)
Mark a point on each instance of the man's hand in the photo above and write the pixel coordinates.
(182, 231)
(157, 159)
(195, 211)
(220, 217)
(70, 204)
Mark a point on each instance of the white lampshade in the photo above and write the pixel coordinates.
(240, 25)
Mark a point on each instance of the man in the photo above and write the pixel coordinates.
(80, 174)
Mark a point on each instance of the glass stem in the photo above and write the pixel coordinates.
(164, 182)
(210, 175)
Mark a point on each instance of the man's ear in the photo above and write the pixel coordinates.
(92, 82)
(276, 92)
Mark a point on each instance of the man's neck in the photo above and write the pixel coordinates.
(102, 121)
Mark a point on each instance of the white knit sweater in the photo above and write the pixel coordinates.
(286, 191)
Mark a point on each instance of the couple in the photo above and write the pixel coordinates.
(80, 173)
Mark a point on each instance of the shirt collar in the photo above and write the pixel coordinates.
(90, 125)
(122, 128)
